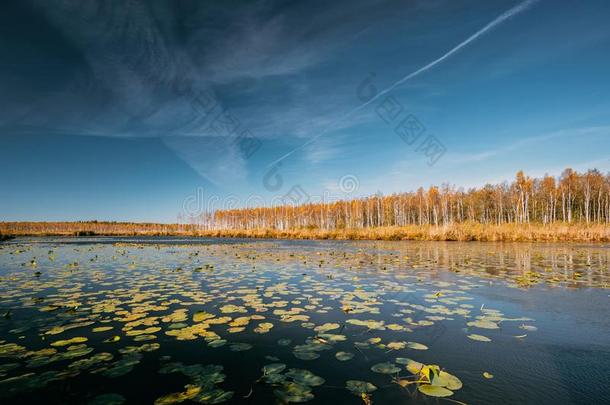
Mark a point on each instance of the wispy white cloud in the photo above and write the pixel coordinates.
(409, 174)
(217, 159)
(454, 158)
(494, 23)
(258, 49)
(136, 68)
(322, 151)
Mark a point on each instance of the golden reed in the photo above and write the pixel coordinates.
(556, 232)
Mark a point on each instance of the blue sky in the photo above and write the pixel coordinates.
(114, 113)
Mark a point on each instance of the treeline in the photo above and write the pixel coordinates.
(572, 207)
(572, 198)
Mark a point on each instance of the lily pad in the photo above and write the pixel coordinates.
(360, 387)
(385, 368)
(305, 377)
(414, 367)
(416, 346)
(434, 390)
(67, 342)
(284, 342)
(449, 381)
(344, 356)
(396, 345)
(479, 338)
(201, 316)
(294, 392)
(273, 368)
(306, 355)
(214, 396)
(217, 343)
(240, 347)
(102, 329)
(483, 324)
(275, 378)
(327, 327)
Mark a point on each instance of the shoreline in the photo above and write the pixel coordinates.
(557, 232)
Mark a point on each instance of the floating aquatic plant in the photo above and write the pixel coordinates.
(131, 300)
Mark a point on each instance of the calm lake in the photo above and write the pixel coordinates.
(179, 320)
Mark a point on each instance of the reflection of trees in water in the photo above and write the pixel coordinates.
(576, 265)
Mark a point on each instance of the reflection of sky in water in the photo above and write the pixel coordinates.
(434, 294)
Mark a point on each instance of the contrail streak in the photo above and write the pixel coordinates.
(497, 21)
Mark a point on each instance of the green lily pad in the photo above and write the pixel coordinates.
(217, 343)
(305, 377)
(240, 347)
(360, 387)
(214, 396)
(344, 356)
(304, 355)
(274, 378)
(273, 368)
(294, 392)
(284, 342)
(385, 368)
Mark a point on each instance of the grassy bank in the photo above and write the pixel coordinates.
(455, 232)
(557, 232)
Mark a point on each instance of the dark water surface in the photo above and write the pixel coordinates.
(178, 320)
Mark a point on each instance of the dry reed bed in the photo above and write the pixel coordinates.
(557, 232)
